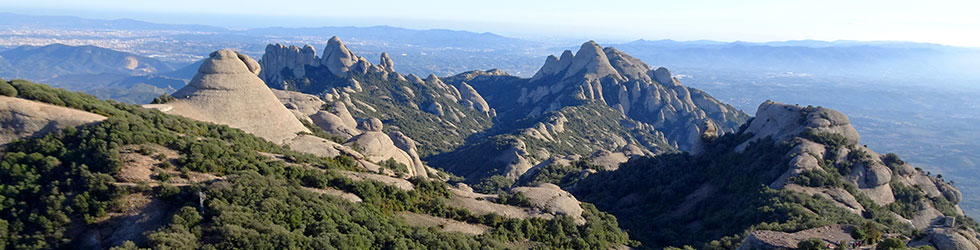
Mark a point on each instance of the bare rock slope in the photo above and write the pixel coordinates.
(21, 118)
(226, 90)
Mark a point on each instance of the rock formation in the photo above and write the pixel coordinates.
(279, 57)
(337, 57)
(611, 77)
(301, 105)
(554, 200)
(227, 90)
(20, 118)
(822, 138)
(378, 146)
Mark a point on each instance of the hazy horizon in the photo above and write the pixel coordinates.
(618, 21)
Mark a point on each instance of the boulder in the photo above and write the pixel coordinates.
(371, 125)
(378, 147)
(951, 239)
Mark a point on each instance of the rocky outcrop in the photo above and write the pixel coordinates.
(592, 62)
(300, 104)
(367, 136)
(337, 57)
(337, 120)
(552, 199)
(386, 63)
(406, 144)
(765, 239)
(293, 59)
(949, 239)
(472, 99)
(20, 118)
(227, 90)
(783, 122)
(823, 139)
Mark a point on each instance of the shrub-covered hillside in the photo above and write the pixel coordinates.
(235, 191)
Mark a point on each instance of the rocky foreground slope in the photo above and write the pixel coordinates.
(138, 177)
(790, 169)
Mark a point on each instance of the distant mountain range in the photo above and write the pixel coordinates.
(899, 61)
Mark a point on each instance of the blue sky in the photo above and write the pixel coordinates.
(953, 22)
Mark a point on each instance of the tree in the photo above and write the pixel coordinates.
(869, 233)
(812, 244)
(891, 243)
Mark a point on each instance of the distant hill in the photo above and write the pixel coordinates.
(103, 72)
(896, 61)
(432, 38)
(59, 59)
(13, 20)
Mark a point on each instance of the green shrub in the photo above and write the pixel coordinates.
(494, 184)
(163, 176)
(514, 199)
(812, 244)
(163, 99)
(891, 244)
(7, 89)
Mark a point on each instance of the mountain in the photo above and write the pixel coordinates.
(59, 59)
(433, 38)
(790, 169)
(436, 115)
(103, 72)
(597, 103)
(139, 177)
(14, 20)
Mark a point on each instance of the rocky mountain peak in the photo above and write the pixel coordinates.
(337, 57)
(593, 62)
(627, 65)
(278, 57)
(227, 90)
(386, 63)
(616, 79)
(784, 121)
(225, 62)
(664, 77)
